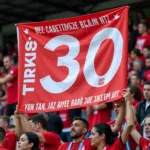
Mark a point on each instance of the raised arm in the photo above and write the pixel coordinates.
(25, 123)
(120, 118)
(27, 128)
(135, 135)
(7, 78)
(129, 117)
(18, 126)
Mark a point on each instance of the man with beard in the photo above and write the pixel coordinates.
(78, 131)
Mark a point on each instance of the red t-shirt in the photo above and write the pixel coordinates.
(117, 145)
(1, 148)
(86, 145)
(52, 141)
(144, 143)
(135, 103)
(142, 41)
(10, 141)
(101, 116)
(133, 144)
(147, 75)
(89, 121)
(12, 87)
(64, 115)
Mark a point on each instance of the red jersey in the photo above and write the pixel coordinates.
(1, 148)
(135, 103)
(147, 75)
(90, 120)
(117, 145)
(12, 87)
(142, 41)
(132, 143)
(64, 115)
(144, 143)
(101, 116)
(86, 145)
(10, 141)
(52, 141)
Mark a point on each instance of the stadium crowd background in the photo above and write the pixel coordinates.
(138, 74)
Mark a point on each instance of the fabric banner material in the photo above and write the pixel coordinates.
(73, 62)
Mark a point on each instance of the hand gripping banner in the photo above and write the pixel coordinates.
(73, 62)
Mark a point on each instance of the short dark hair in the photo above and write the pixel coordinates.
(39, 118)
(136, 52)
(2, 134)
(10, 57)
(138, 76)
(147, 83)
(147, 47)
(5, 119)
(148, 57)
(105, 128)
(144, 23)
(85, 122)
(11, 126)
(33, 138)
(136, 91)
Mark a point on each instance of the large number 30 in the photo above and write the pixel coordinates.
(73, 65)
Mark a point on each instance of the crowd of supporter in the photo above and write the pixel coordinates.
(124, 124)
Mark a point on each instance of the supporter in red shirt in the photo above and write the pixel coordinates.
(118, 108)
(38, 125)
(141, 141)
(102, 136)
(144, 39)
(2, 137)
(99, 113)
(136, 95)
(64, 115)
(136, 81)
(28, 141)
(10, 136)
(147, 72)
(11, 81)
(78, 131)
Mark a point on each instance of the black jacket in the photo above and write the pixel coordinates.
(140, 112)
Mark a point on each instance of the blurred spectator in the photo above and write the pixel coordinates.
(2, 137)
(99, 113)
(54, 123)
(136, 95)
(147, 72)
(141, 16)
(144, 38)
(146, 51)
(143, 108)
(133, 35)
(11, 81)
(10, 136)
(136, 55)
(138, 66)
